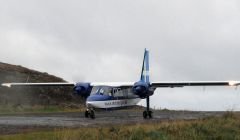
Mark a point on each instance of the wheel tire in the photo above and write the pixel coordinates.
(150, 114)
(86, 114)
(92, 114)
(145, 114)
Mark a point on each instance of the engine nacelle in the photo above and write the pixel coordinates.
(82, 89)
(142, 89)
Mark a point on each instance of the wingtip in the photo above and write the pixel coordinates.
(6, 85)
(234, 83)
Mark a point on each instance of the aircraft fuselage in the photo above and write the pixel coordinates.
(111, 97)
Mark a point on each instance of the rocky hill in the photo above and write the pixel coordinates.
(33, 95)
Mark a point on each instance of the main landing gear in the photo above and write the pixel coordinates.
(89, 113)
(147, 114)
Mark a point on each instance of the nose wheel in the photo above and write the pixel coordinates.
(89, 113)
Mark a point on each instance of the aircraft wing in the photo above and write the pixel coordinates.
(37, 84)
(111, 84)
(161, 84)
(172, 84)
(194, 83)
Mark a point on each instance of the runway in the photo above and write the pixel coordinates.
(10, 124)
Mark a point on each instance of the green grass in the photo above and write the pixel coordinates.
(226, 127)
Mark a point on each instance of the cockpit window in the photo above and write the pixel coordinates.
(114, 92)
(94, 90)
(102, 90)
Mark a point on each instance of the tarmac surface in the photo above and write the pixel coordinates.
(11, 124)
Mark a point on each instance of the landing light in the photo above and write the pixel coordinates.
(6, 85)
(233, 83)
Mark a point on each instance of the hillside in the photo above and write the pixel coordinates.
(33, 95)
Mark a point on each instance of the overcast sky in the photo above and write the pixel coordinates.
(104, 40)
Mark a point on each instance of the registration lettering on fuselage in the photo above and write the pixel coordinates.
(123, 102)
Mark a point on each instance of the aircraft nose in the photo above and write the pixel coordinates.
(89, 104)
(97, 101)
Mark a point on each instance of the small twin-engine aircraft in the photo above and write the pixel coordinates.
(123, 94)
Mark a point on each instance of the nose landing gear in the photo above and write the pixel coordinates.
(89, 113)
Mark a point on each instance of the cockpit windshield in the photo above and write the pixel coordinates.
(113, 91)
(102, 90)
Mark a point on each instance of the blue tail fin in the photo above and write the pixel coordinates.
(145, 67)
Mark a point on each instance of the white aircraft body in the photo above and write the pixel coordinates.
(123, 94)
